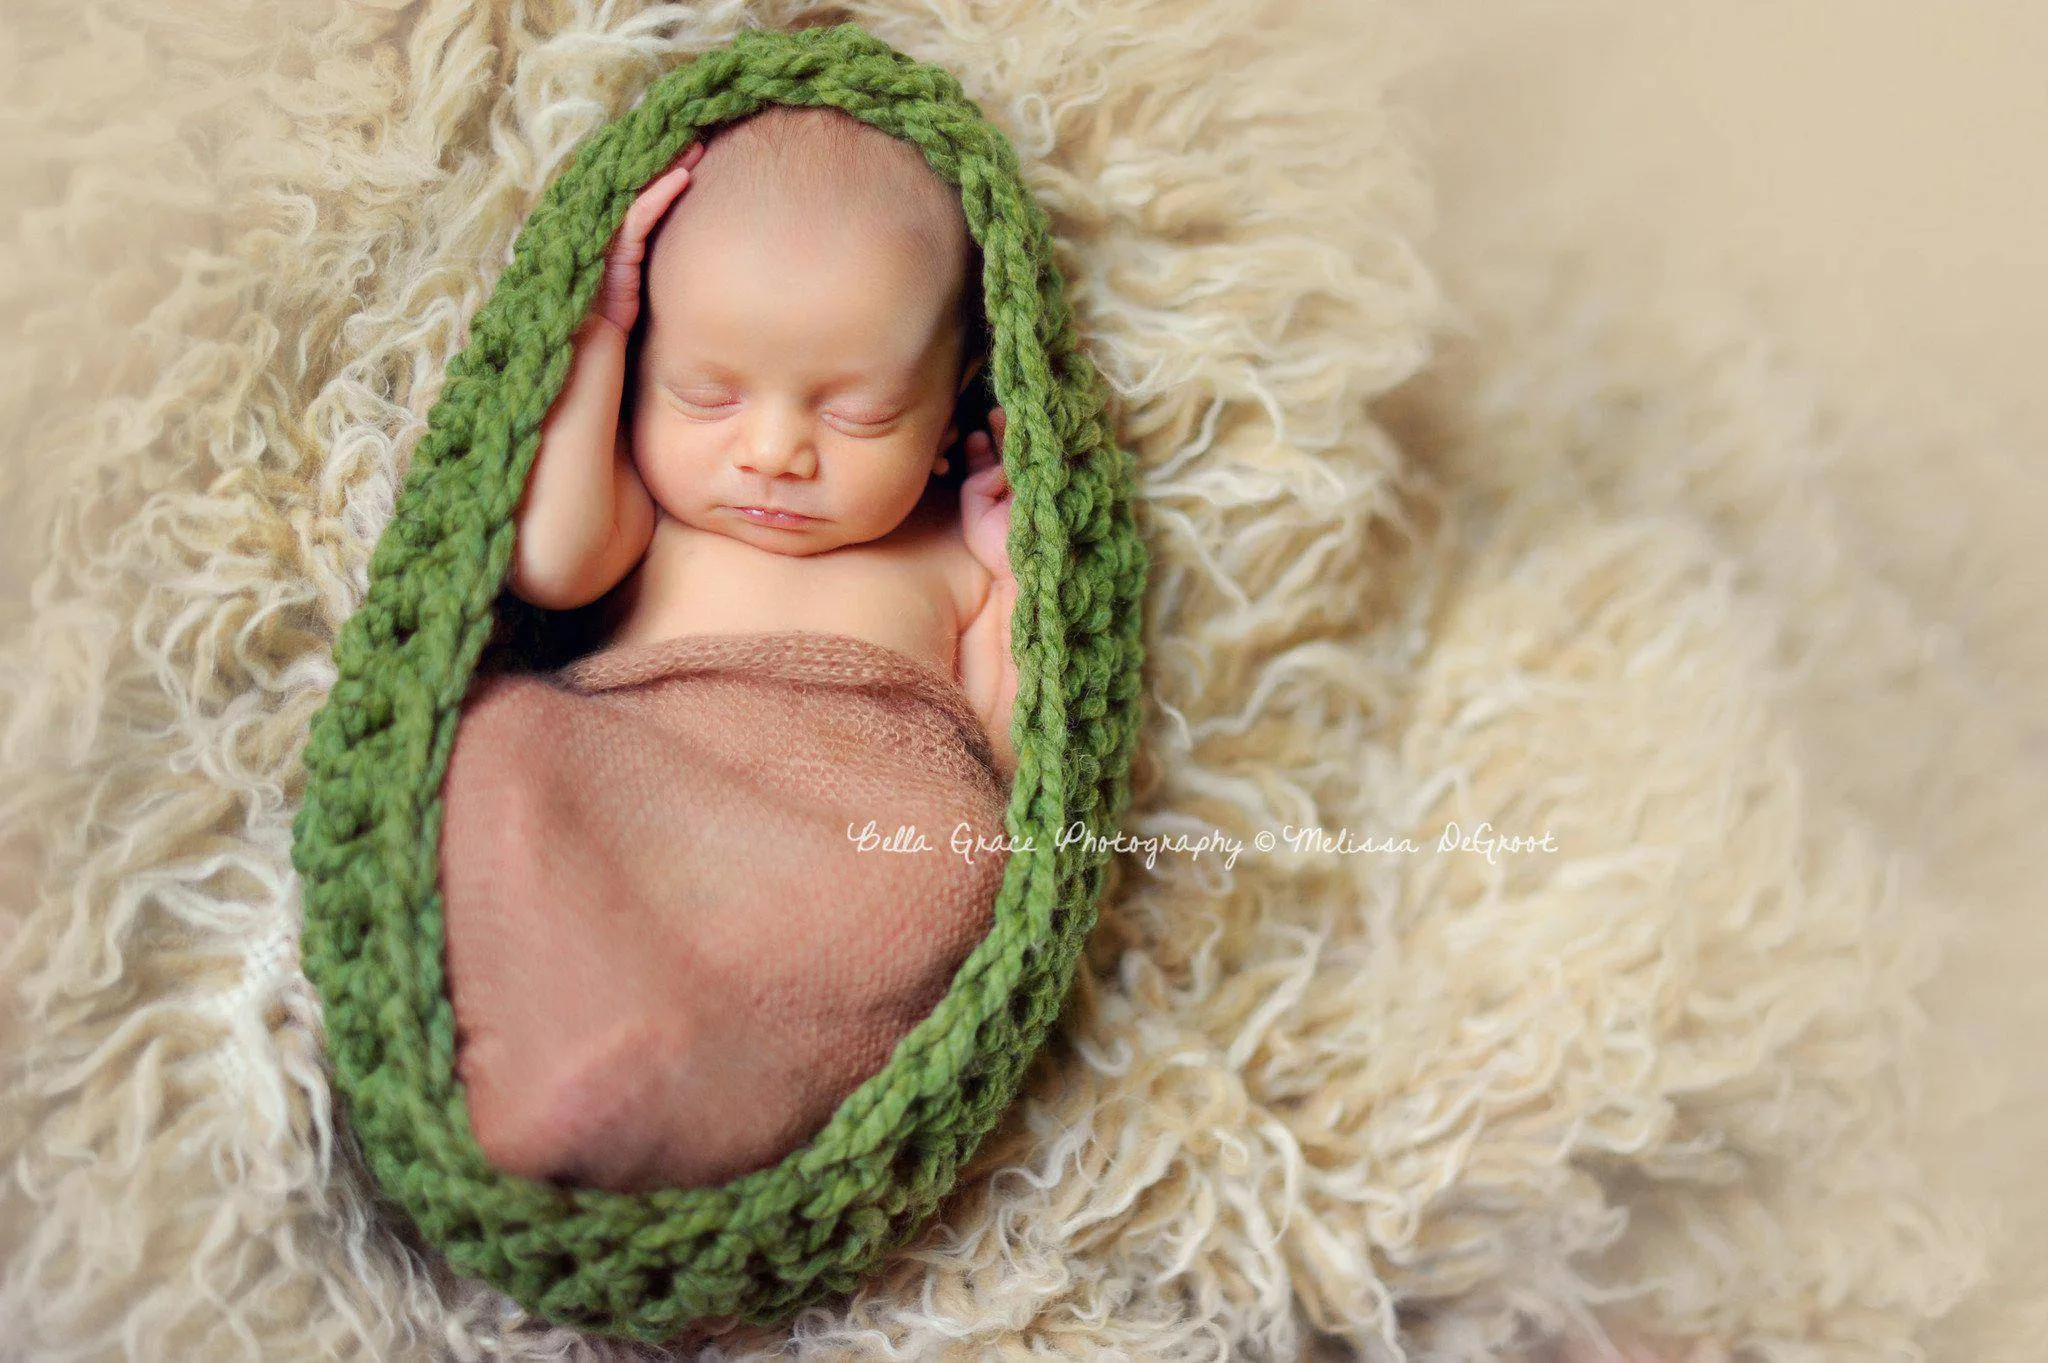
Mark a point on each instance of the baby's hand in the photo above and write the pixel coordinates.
(585, 517)
(618, 297)
(986, 668)
(985, 499)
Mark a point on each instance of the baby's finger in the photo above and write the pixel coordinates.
(979, 452)
(650, 205)
(999, 422)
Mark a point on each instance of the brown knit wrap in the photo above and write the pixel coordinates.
(668, 824)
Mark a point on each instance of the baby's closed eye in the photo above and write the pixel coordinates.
(714, 405)
(861, 426)
(706, 397)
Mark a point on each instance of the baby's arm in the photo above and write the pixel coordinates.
(988, 672)
(586, 518)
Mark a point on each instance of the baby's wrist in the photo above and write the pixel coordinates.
(600, 323)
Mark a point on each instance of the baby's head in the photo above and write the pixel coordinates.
(808, 322)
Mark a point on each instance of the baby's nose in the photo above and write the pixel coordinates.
(775, 445)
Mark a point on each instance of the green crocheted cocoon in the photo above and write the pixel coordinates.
(366, 841)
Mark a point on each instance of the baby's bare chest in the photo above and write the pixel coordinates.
(911, 595)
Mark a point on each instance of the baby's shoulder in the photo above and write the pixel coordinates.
(934, 550)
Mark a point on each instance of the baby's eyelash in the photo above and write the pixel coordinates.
(697, 410)
(841, 417)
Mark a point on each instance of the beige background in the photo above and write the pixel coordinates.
(1876, 188)
(1884, 177)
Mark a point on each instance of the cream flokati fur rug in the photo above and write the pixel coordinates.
(1431, 1105)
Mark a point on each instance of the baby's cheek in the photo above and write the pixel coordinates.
(670, 463)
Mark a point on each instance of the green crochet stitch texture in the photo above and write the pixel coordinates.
(366, 840)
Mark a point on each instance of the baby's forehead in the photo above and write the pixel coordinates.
(842, 271)
(760, 314)
(854, 275)
(706, 230)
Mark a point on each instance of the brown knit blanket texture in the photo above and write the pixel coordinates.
(669, 957)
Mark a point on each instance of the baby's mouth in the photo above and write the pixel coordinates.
(785, 520)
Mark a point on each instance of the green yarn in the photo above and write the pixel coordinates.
(366, 841)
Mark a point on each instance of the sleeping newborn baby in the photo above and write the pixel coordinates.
(639, 1002)
(811, 340)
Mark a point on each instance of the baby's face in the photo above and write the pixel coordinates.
(803, 369)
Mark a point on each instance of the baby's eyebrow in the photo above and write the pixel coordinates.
(671, 367)
(880, 372)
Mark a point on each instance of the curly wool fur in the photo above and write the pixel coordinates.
(1430, 1105)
